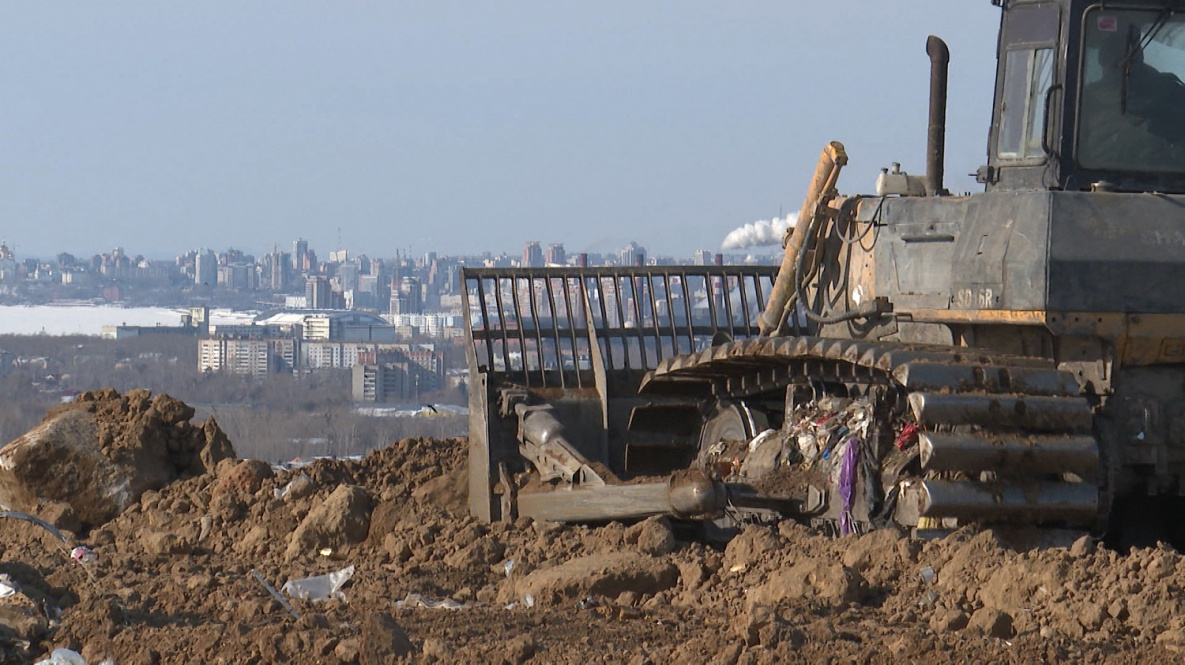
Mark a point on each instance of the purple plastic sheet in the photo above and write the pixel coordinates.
(847, 483)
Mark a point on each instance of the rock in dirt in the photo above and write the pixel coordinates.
(20, 617)
(1173, 640)
(241, 481)
(342, 520)
(753, 545)
(162, 542)
(946, 620)
(519, 649)
(599, 574)
(99, 453)
(653, 536)
(992, 623)
(1082, 547)
(812, 578)
(383, 640)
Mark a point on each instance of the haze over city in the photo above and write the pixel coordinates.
(460, 127)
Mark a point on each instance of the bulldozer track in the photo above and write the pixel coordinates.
(1002, 438)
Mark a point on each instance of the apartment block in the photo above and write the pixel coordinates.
(404, 378)
(252, 357)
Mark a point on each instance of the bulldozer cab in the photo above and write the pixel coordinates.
(1088, 97)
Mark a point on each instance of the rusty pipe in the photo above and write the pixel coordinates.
(831, 161)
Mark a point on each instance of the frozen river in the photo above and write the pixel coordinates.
(90, 319)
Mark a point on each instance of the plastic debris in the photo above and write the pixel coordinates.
(84, 555)
(907, 437)
(527, 601)
(63, 657)
(275, 594)
(587, 603)
(320, 587)
(761, 438)
(7, 586)
(847, 482)
(928, 575)
(302, 479)
(509, 566)
(417, 600)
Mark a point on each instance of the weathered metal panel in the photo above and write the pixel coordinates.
(1117, 252)
(981, 252)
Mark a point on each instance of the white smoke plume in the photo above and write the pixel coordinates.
(762, 232)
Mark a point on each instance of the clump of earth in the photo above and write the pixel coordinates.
(174, 578)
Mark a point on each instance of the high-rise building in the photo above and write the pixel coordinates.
(347, 276)
(632, 255)
(409, 298)
(279, 269)
(532, 255)
(205, 268)
(300, 250)
(317, 294)
(703, 257)
(555, 254)
(7, 264)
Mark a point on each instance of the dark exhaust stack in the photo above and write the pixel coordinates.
(936, 137)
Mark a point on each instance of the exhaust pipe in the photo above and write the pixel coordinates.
(936, 137)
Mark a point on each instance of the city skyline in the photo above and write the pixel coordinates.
(462, 126)
(547, 248)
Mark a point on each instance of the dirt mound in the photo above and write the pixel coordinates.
(175, 576)
(98, 454)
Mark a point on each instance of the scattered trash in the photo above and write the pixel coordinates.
(207, 524)
(417, 600)
(587, 603)
(298, 482)
(929, 599)
(907, 437)
(847, 482)
(761, 438)
(509, 566)
(7, 586)
(275, 594)
(84, 555)
(527, 601)
(320, 587)
(64, 657)
(928, 575)
(326, 551)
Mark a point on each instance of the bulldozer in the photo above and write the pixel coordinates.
(1010, 357)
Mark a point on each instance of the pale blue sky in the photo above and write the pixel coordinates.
(460, 126)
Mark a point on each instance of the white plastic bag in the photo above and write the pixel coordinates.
(320, 587)
(63, 657)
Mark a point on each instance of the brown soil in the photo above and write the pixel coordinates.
(173, 583)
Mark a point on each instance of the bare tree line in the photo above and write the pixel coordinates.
(276, 419)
